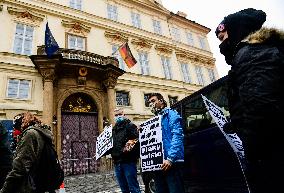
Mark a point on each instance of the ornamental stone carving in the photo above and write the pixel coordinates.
(141, 44)
(76, 27)
(25, 14)
(48, 74)
(163, 50)
(115, 37)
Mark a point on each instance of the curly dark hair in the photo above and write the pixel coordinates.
(159, 97)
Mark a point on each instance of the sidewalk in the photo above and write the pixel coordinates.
(95, 183)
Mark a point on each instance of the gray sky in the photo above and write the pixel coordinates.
(210, 13)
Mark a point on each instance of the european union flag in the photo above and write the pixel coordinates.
(51, 45)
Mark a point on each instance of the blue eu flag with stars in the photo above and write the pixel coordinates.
(51, 45)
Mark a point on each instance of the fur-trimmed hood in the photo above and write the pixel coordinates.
(266, 36)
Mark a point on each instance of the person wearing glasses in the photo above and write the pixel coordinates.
(170, 178)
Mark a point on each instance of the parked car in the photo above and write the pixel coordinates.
(211, 166)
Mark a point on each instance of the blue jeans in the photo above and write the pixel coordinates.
(170, 181)
(126, 176)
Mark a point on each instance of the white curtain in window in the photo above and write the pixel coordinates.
(23, 39)
(143, 60)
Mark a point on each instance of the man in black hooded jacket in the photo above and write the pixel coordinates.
(255, 95)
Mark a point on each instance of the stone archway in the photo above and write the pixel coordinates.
(79, 131)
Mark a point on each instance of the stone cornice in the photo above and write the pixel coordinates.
(25, 14)
(114, 37)
(141, 44)
(76, 27)
(186, 56)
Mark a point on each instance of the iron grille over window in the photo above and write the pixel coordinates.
(122, 98)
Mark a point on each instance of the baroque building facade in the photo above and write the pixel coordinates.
(87, 79)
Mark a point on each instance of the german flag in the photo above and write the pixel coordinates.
(127, 56)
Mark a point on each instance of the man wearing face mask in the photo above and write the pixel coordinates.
(125, 159)
(170, 178)
(255, 94)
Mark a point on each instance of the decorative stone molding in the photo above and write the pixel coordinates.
(76, 27)
(111, 60)
(114, 37)
(110, 82)
(48, 74)
(141, 44)
(163, 50)
(182, 56)
(25, 14)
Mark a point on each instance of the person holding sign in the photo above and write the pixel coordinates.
(170, 178)
(125, 153)
(255, 97)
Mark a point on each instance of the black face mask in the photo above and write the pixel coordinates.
(227, 49)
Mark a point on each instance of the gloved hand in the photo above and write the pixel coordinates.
(229, 128)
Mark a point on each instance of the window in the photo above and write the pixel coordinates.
(144, 63)
(185, 72)
(23, 42)
(136, 22)
(157, 27)
(117, 55)
(211, 74)
(76, 4)
(189, 38)
(112, 12)
(166, 67)
(18, 89)
(146, 98)
(122, 98)
(76, 43)
(199, 75)
(176, 34)
(173, 100)
(202, 43)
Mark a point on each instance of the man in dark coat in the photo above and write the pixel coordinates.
(256, 56)
(124, 154)
(5, 155)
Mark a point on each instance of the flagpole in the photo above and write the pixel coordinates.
(118, 48)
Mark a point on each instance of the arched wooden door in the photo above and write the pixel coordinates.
(79, 127)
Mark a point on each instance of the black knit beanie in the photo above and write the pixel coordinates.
(240, 24)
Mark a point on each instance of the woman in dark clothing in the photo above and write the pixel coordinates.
(5, 155)
(256, 94)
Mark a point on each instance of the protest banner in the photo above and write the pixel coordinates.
(233, 139)
(151, 144)
(104, 142)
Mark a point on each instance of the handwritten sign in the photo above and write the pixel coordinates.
(151, 144)
(220, 119)
(104, 142)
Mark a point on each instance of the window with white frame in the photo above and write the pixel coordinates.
(136, 21)
(189, 38)
(112, 12)
(76, 4)
(23, 42)
(144, 63)
(167, 67)
(18, 89)
(176, 34)
(199, 75)
(185, 72)
(202, 43)
(117, 55)
(122, 98)
(157, 27)
(211, 74)
(76, 43)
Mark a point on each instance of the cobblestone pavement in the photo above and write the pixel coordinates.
(95, 183)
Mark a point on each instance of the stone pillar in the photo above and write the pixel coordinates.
(110, 84)
(48, 111)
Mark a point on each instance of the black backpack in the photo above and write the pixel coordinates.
(49, 174)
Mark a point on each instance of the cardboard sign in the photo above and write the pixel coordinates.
(104, 142)
(151, 144)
